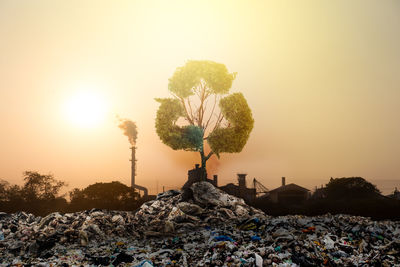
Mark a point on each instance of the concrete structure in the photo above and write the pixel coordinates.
(290, 193)
(395, 194)
(320, 193)
(196, 175)
(240, 190)
(133, 174)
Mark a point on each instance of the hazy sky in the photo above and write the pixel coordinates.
(321, 77)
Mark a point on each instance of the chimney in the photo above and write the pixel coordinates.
(283, 181)
(133, 167)
(242, 180)
(215, 180)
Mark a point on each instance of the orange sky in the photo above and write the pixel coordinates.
(321, 77)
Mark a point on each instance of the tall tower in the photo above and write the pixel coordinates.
(133, 166)
(242, 180)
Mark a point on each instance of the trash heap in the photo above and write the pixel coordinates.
(201, 226)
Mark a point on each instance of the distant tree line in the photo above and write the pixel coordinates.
(40, 195)
(347, 195)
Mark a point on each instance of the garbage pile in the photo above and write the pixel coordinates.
(202, 226)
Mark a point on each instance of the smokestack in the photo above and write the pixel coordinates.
(215, 180)
(133, 166)
(242, 180)
(283, 181)
(130, 130)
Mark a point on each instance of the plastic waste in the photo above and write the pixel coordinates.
(250, 224)
(196, 231)
(259, 260)
(223, 238)
(145, 263)
(328, 242)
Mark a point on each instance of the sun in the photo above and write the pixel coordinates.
(85, 108)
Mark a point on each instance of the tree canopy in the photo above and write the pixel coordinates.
(40, 194)
(186, 79)
(349, 187)
(233, 138)
(41, 187)
(194, 86)
(112, 195)
(3, 190)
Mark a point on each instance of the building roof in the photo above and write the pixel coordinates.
(289, 187)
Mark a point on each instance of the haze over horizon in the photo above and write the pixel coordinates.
(322, 79)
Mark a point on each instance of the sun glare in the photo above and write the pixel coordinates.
(85, 108)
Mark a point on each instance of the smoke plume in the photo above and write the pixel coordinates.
(130, 130)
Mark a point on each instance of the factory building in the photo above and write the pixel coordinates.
(289, 194)
(285, 194)
(241, 190)
(196, 175)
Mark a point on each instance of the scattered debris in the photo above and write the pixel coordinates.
(208, 228)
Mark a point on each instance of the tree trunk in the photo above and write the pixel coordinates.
(203, 165)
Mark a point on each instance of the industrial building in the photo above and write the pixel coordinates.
(395, 194)
(289, 194)
(285, 194)
(133, 174)
(240, 190)
(196, 175)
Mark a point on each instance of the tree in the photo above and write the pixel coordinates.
(40, 187)
(3, 190)
(39, 195)
(350, 187)
(193, 86)
(113, 195)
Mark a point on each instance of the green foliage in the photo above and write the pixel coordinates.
(187, 138)
(232, 138)
(216, 76)
(203, 79)
(350, 187)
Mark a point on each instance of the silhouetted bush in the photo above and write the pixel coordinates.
(38, 195)
(112, 196)
(351, 187)
(352, 195)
